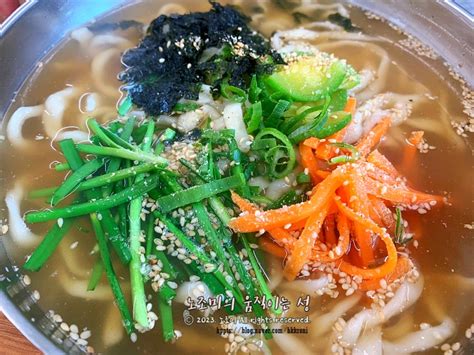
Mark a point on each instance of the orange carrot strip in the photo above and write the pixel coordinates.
(342, 246)
(383, 212)
(309, 162)
(243, 204)
(391, 260)
(359, 202)
(303, 246)
(323, 174)
(281, 236)
(404, 265)
(416, 137)
(369, 141)
(270, 247)
(397, 194)
(311, 142)
(253, 222)
(351, 105)
(381, 162)
(330, 229)
(380, 175)
(297, 225)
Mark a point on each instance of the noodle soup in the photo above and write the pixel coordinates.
(431, 307)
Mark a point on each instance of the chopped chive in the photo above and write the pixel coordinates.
(121, 153)
(94, 206)
(165, 296)
(138, 287)
(110, 273)
(108, 223)
(62, 167)
(197, 193)
(101, 180)
(47, 246)
(96, 275)
(74, 179)
(125, 106)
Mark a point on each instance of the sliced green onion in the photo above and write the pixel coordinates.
(233, 93)
(292, 123)
(274, 119)
(308, 129)
(281, 159)
(345, 158)
(255, 117)
(264, 144)
(335, 122)
(303, 178)
(254, 90)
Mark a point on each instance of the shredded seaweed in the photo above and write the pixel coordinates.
(343, 21)
(180, 52)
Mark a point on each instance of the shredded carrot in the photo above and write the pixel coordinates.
(266, 220)
(330, 230)
(243, 204)
(281, 236)
(297, 225)
(380, 175)
(303, 246)
(342, 246)
(323, 174)
(399, 194)
(381, 162)
(404, 265)
(383, 212)
(311, 142)
(351, 105)
(270, 247)
(391, 260)
(359, 202)
(416, 137)
(308, 160)
(371, 139)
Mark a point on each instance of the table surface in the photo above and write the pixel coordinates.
(12, 342)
